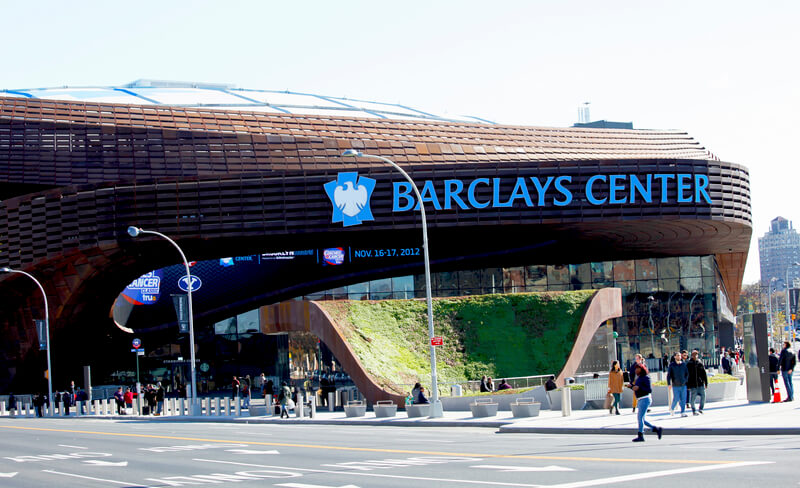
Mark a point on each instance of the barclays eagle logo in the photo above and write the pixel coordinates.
(350, 195)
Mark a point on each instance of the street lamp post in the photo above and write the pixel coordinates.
(436, 405)
(135, 232)
(788, 316)
(47, 334)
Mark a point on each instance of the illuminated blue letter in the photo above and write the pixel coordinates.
(520, 191)
(428, 194)
(700, 185)
(402, 190)
(471, 193)
(664, 180)
(614, 187)
(496, 195)
(637, 187)
(682, 185)
(451, 194)
(541, 189)
(589, 195)
(559, 186)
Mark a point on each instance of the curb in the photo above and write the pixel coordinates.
(733, 431)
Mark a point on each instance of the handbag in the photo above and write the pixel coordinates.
(290, 404)
(608, 401)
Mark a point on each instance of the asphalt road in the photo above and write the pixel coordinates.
(64, 453)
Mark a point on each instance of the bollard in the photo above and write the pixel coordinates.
(78, 406)
(669, 399)
(331, 401)
(227, 406)
(566, 401)
(238, 407)
(173, 407)
(3, 411)
(268, 403)
(96, 407)
(313, 406)
(217, 410)
(298, 407)
(182, 407)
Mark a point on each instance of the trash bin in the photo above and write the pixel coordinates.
(455, 390)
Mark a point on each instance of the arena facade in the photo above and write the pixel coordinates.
(252, 185)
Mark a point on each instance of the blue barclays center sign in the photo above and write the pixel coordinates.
(350, 194)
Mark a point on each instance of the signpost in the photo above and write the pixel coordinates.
(137, 343)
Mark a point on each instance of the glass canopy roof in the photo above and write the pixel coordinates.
(216, 95)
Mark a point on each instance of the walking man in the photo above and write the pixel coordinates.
(697, 382)
(677, 376)
(787, 363)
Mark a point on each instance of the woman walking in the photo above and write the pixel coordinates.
(615, 386)
(642, 390)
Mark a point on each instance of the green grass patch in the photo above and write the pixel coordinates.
(495, 335)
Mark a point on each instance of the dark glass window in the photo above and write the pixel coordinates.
(646, 269)
(624, 271)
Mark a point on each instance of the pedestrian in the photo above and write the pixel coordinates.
(697, 381)
(152, 401)
(284, 397)
(81, 398)
(66, 400)
(235, 386)
(774, 364)
(415, 391)
(119, 397)
(421, 398)
(128, 400)
(160, 394)
(550, 384)
(503, 385)
(246, 392)
(615, 383)
(38, 402)
(725, 363)
(677, 375)
(12, 404)
(638, 360)
(787, 363)
(489, 384)
(642, 390)
(483, 388)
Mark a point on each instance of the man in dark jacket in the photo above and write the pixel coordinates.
(677, 376)
(787, 363)
(725, 363)
(697, 382)
(774, 365)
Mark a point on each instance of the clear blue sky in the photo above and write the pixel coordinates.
(726, 72)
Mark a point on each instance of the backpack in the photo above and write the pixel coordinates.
(281, 396)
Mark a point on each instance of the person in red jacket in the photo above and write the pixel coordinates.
(128, 398)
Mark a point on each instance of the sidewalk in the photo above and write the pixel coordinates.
(737, 417)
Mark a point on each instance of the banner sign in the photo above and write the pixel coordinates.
(181, 303)
(41, 330)
(144, 290)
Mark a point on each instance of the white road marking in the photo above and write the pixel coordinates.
(510, 469)
(655, 474)
(8, 475)
(116, 482)
(72, 447)
(95, 462)
(375, 475)
(250, 451)
(303, 485)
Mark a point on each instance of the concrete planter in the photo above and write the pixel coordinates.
(717, 392)
(483, 409)
(355, 409)
(385, 409)
(578, 398)
(461, 404)
(525, 409)
(422, 410)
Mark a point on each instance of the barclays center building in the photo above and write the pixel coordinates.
(253, 186)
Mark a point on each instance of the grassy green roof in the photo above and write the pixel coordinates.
(497, 335)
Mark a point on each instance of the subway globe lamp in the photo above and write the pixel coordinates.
(47, 335)
(136, 232)
(436, 404)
